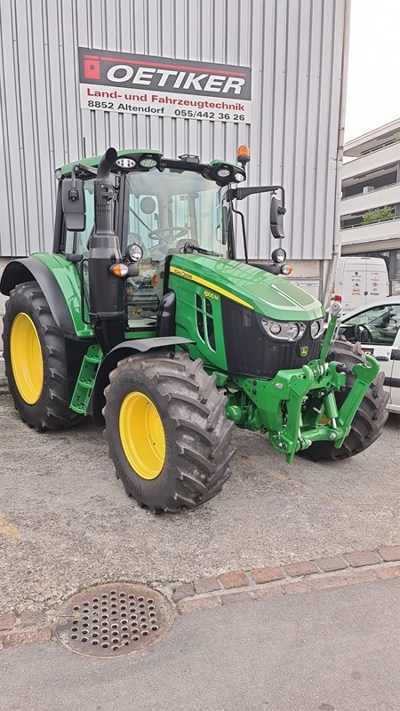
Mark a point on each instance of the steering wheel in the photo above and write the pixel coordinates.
(173, 232)
(362, 333)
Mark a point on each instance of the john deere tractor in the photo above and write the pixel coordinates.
(141, 317)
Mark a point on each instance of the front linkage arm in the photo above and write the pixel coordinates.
(288, 391)
(282, 403)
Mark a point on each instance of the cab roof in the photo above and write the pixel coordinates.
(232, 172)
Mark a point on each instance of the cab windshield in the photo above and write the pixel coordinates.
(166, 213)
(167, 209)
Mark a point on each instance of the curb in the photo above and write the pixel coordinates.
(235, 586)
(291, 579)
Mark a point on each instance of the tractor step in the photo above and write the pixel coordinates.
(86, 380)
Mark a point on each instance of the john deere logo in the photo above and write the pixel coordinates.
(304, 351)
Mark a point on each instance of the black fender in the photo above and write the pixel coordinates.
(119, 352)
(31, 269)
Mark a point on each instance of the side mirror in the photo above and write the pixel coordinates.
(276, 218)
(73, 204)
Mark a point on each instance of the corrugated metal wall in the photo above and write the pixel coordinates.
(293, 46)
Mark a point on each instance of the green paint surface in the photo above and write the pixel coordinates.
(268, 294)
(67, 277)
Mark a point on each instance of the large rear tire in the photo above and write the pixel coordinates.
(370, 418)
(35, 360)
(168, 434)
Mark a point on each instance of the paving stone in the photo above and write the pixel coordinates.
(268, 592)
(331, 563)
(235, 579)
(338, 581)
(384, 573)
(19, 636)
(231, 598)
(203, 603)
(205, 585)
(7, 621)
(304, 567)
(182, 591)
(296, 588)
(266, 575)
(390, 553)
(360, 558)
(32, 618)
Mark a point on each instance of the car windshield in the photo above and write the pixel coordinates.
(378, 325)
(169, 208)
(372, 317)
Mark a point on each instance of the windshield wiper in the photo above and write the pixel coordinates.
(189, 248)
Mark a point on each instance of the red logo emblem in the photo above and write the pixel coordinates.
(91, 67)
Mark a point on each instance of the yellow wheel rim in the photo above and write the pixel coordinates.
(142, 435)
(26, 358)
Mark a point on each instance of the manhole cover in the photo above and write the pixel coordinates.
(113, 619)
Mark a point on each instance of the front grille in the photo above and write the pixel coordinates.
(250, 351)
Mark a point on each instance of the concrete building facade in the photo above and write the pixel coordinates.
(370, 204)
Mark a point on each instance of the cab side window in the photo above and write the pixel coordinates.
(76, 242)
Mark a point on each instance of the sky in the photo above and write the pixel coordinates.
(373, 91)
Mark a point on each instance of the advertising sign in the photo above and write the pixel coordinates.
(156, 86)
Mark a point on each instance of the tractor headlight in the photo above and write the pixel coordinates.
(316, 328)
(223, 172)
(293, 331)
(275, 328)
(239, 177)
(134, 252)
(283, 330)
(125, 163)
(147, 162)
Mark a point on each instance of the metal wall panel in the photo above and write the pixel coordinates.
(293, 46)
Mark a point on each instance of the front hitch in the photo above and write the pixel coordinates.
(284, 404)
(294, 436)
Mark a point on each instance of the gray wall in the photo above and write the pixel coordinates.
(293, 46)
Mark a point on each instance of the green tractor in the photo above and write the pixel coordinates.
(141, 317)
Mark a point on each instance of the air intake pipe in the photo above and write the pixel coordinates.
(106, 291)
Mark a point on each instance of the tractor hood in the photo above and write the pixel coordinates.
(268, 294)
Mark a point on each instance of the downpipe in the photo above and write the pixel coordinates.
(106, 292)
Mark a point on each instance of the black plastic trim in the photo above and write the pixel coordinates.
(392, 382)
(59, 233)
(395, 354)
(31, 269)
(166, 315)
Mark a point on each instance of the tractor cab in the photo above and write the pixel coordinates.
(159, 208)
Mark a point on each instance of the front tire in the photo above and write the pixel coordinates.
(35, 360)
(168, 434)
(370, 417)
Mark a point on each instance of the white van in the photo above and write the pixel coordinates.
(360, 280)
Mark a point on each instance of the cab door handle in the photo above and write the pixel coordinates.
(381, 357)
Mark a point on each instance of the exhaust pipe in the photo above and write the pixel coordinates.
(106, 292)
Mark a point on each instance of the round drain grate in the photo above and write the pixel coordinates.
(113, 619)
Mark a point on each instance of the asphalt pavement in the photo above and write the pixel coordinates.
(66, 522)
(336, 650)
